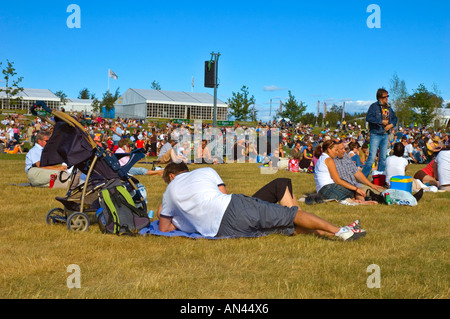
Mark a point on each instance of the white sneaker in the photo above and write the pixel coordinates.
(348, 233)
(355, 225)
(433, 189)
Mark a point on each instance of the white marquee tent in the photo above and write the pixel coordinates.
(141, 104)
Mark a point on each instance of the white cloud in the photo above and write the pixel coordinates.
(357, 106)
(273, 88)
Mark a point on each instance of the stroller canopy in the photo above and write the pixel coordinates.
(68, 144)
(72, 145)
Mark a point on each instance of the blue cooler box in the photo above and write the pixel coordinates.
(403, 183)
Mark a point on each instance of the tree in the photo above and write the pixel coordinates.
(425, 104)
(292, 109)
(156, 86)
(95, 104)
(399, 98)
(62, 96)
(308, 118)
(12, 90)
(239, 105)
(109, 100)
(334, 114)
(253, 113)
(84, 94)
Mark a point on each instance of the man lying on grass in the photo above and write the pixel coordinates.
(198, 201)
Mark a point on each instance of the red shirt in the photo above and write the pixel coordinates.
(140, 144)
(429, 169)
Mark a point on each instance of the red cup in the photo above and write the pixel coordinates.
(52, 180)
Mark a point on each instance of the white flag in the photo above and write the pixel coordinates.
(112, 75)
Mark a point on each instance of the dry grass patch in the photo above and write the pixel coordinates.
(410, 244)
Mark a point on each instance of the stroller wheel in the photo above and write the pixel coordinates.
(56, 216)
(78, 222)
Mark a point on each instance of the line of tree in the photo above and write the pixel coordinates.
(108, 100)
(421, 107)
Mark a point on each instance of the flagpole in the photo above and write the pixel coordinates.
(108, 80)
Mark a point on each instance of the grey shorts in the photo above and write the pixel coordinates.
(251, 217)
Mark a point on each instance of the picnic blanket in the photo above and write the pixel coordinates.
(153, 229)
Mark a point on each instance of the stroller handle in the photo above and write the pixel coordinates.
(41, 104)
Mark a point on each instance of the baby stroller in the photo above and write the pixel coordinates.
(71, 144)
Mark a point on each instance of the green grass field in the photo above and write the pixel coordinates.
(409, 245)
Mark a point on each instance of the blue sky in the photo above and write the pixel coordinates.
(320, 50)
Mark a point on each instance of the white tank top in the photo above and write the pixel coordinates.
(322, 175)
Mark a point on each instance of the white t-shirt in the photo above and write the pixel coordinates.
(408, 150)
(322, 175)
(195, 196)
(443, 162)
(395, 166)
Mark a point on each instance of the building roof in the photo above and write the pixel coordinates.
(80, 101)
(444, 112)
(175, 96)
(34, 94)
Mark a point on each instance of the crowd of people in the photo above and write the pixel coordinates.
(298, 142)
(343, 162)
(335, 180)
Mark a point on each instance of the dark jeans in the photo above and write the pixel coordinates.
(335, 191)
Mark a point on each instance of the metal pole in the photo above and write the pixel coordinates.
(270, 112)
(317, 113)
(108, 80)
(216, 56)
(215, 99)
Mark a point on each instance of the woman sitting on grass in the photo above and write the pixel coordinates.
(329, 185)
(307, 159)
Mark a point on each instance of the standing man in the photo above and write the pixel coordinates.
(381, 119)
(117, 133)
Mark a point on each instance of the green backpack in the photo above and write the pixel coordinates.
(118, 213)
